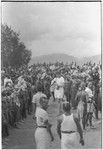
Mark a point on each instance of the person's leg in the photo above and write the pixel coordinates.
(60, 106)
(25, 110)
(83, 123)
(13, 118)
(53, 95)
(96, 104)
(22, 112)
(3, 130)
(87, 118)
(19, 114)
(16, 117)
(10, 118)
(84, 120)
(66, 95)
(96, 112)
(90, 119)
(6, 129)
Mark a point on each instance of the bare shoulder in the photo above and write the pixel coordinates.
(60, 118)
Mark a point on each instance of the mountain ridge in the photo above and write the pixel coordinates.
(61, 57)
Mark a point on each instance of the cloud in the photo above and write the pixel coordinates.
(56, 27)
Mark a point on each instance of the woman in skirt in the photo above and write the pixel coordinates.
(43, 134)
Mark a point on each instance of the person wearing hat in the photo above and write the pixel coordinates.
(68, 128)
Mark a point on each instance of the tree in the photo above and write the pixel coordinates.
(13, 51)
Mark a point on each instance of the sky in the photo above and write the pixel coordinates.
(71, 28)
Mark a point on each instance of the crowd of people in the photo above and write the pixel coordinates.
(27, 90)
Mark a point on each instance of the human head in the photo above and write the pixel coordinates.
(39, 87)
(44, 102)
(90, 84)
(66, 107)
(79, 88)
(82, 86)
(7, 76)
(58, 74)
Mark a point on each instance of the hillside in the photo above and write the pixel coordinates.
(53, 58)
(95, 59)
(64, 58)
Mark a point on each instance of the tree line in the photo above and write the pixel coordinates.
(13, 52)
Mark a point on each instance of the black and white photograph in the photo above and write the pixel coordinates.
(51, 75)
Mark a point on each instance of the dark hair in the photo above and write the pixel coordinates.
(39, 87)
(66, 106)
(83, 85)
(43, 102)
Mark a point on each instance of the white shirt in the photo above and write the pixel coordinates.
(41, 116)
(15, 98)
(59, 81)
(68, 123)
(89, 92)
(59, 92)
(21, 83)
(6, 80)
(90, 106)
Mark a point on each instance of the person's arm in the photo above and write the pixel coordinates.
(34, 106)
(48, 125)
(76, 100)
(79, 130)
(87, 97)
(59, 128)
(52, 82)
(59, 121)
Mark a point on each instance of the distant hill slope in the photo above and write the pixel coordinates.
(94, 59)
(53, 58)
(64, 58)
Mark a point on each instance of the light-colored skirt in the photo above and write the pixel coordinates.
(42, 138)
(70, 141)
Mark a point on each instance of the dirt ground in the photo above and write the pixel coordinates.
(23, 138)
